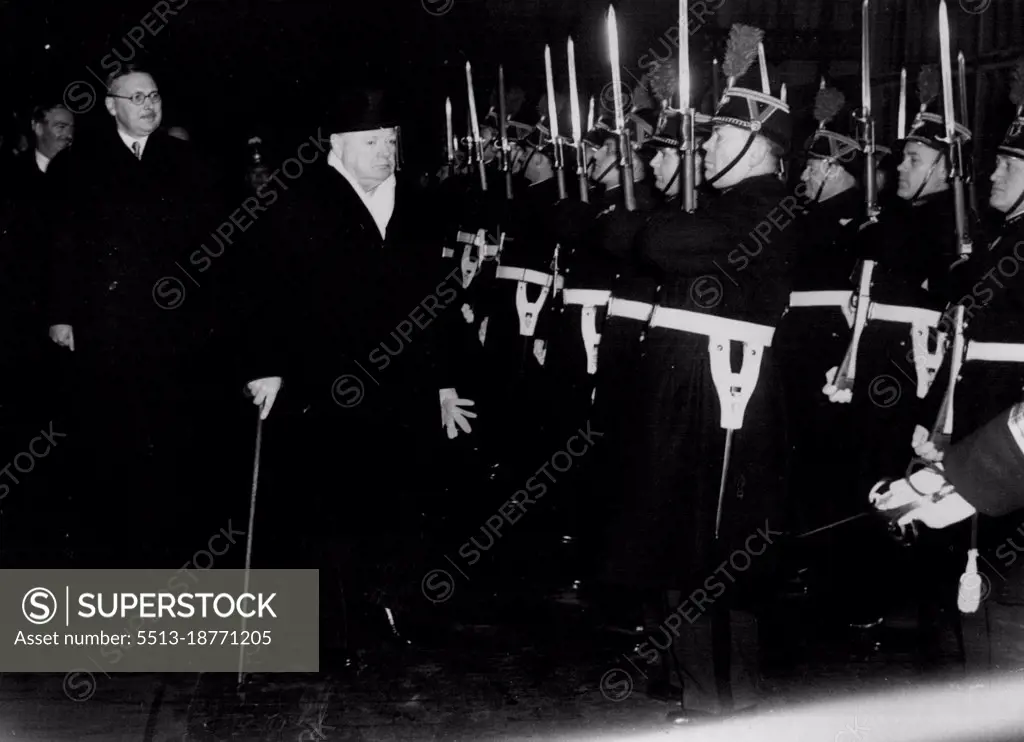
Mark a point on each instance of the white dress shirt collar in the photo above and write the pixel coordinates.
(129, 140)
(380, 202)
(42, 161)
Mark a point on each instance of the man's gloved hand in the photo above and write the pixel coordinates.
(264, 392)
(834, 393)
(925, 497)
(923, 447)
(453, 414)
(63, 335)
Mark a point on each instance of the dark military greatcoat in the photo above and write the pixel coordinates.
(670, 456)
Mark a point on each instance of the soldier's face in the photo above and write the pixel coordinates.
(603, 164)
(814, 175)
(55, 132)
(538, 168)
(369, 155)
(138, 121)
(665, 166)
(914, 171)
(1007, 183)
(519, 155)
(725, 144)
(489, 138)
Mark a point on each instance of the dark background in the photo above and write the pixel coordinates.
(230, 69)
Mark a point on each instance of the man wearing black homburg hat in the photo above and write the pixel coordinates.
(348, 355)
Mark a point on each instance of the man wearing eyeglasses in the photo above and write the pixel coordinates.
(133, 202)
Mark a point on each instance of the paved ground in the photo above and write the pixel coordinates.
(517, 670)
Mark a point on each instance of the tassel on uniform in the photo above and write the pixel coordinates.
(969, 595)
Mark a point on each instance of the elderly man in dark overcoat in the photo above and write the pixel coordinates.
(351, 356)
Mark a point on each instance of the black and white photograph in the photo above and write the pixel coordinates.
(512, 370)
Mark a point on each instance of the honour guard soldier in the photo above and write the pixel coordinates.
(992, 374)
(605, 167)
(919, 249)
(817, 326)
(701, 463)
(899, 340)
(601, 262)
(519, 398)
(912, 250)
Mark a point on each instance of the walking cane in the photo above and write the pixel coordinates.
(248, 537)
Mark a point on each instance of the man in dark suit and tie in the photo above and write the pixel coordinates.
(134, 202)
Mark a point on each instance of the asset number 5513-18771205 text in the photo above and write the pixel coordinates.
(202, 637)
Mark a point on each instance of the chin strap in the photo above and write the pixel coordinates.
(600, 178)
(533, 153)
(675, 177)
(927, 179)
(736, 161)
(1016, 205)
(821, 189)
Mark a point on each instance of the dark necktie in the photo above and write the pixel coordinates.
(137, 149)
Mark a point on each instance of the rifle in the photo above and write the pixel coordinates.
(556, 141)
(476, 143)
(625, 148)
(577, 133)
(867, 121)
(963, 239)
(506, 152)
(687, 144)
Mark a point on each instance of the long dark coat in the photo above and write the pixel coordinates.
(344, 299)
(811, 340)
(31, 518)
(911, 246)
(517, 378)
(994, 308)
(355, 326)
(602, 255)
(600, 260)
(127, 223)
(119, 271)
(670, 459)
(25, 255)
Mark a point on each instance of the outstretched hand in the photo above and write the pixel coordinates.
(454, 416)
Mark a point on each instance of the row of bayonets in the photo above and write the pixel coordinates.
(688, 141)
(687, 148)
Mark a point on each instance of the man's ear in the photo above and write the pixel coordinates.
(337, 142)
(109, 103)
(758, 152)
(37, 129)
